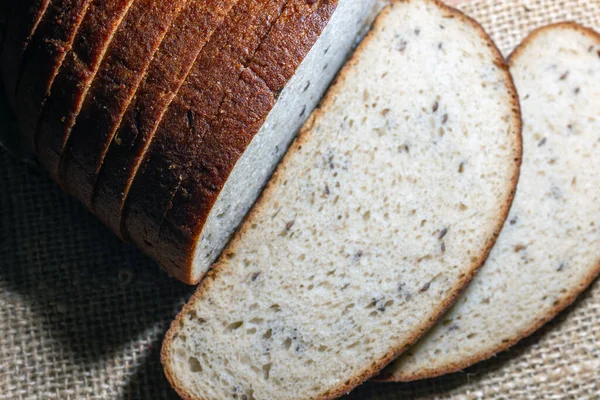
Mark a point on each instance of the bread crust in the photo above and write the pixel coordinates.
(178, 141)
(74, 79)
(567, 299)
(123, 68)
(43, 58)
(20, 28)
(304, 135)
(169, 69)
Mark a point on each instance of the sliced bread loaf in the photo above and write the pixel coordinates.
(379, 214)
(74, 78)
(209, 129)
(124, 66)
(169, 69)
(24, 18)
(43, 58)
(549, 250)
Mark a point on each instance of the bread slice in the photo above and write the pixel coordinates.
(24, 19)
(246, 20)
(548, 252)
(74, 78)
(379, 214)
(123, 69)
(184, 139)
(43, 58)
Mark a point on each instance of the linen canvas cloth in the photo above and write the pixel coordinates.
(82, 315)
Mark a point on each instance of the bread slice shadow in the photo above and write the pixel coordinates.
(80, 286)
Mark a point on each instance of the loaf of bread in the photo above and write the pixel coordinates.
(214, 150)
(377, 217)
(548, 251)
(124, 101)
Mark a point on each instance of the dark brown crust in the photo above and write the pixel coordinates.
(20, 28)
(169, 69)
(290, 41)
(74, 78)
(179, 136)
(43, 58)
(374, 368)
(123, 68)
(568, 298)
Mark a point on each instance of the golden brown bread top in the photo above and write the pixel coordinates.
(123, 79)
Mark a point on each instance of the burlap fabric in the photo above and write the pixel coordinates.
(82, 315)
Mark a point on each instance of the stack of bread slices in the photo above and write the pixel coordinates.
(429, 159)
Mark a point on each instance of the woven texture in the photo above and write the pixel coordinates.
(82, 315)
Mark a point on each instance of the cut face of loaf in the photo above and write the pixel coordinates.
(548, 251)
(377, 217)
(187, 250)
